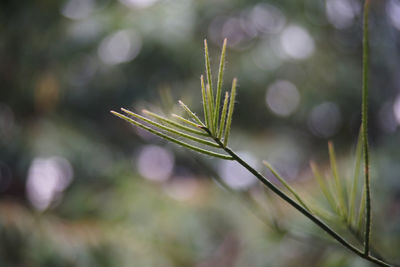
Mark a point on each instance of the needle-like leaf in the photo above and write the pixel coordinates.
(205, 103)
(356, 176)
(187, 121)
(285, 184)
(339, 191)
(223, 115)
(208, 68)
(210, 108)
(191, 113)
(219, 85)
(171, 130)
(174, 123)
(323, 185)
(230, 112)
(169, 138)
(361, 210)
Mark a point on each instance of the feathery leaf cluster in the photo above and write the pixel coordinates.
(216, 124)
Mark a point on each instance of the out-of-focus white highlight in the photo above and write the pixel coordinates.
(341, 13)
(138, 3)
(282, 98)
(267, 18)
(234, 175)
(119, 47)
(77, 9)
(297, 42)
(393, 11)
(47, 179)
(182, 188)
(155, 163)
(396, 109)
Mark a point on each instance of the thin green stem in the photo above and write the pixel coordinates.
(297, 206)
(364, 121)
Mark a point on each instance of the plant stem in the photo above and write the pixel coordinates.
(295, 205)
(364, 121)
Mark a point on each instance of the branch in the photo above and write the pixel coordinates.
(364, 121)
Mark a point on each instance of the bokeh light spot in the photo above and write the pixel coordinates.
(297, 42)
(234, 175)
(77, 9)
(119, 47)
(268, 19)
(393, 11)
(47, 179)
(138, 3)
(155, 163)
(341, 13)
(282, 98)
(396, 109)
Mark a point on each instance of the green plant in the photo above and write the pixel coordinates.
(213, 132)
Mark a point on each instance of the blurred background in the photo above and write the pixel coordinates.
(79, 187)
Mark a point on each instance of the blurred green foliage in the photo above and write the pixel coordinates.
(72, 178)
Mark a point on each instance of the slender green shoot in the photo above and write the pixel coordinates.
(361, 211)
(219, 85)
(223, 116)
(171, 139)
(285, 184)
(356, 175)
(230, 112)
(205, 103)
(171, 130)
(186, 121)
(364, 124)
(174, 123)
(210, 106)
(322, 184)
(339, 191)
(208, 68)
(191, 113)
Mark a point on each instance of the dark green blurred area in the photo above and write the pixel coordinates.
(79, 187)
